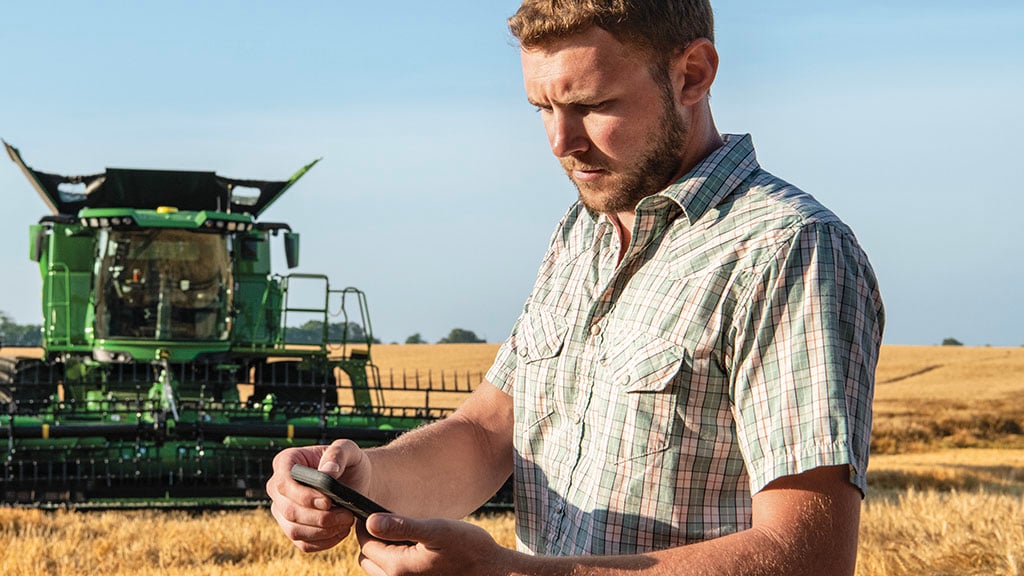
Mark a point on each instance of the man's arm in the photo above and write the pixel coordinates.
(803, 524)
(446, 469)
(451, 467)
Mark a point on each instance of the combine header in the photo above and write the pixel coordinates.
(167, 373)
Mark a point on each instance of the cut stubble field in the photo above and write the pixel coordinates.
(946, 485)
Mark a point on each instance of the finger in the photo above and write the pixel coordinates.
(282, 485)
(306, 455)
(294, 504)
(299, 522)
(283, 489)
(395, 528)
(346, 461)
(378, 556)
(312, 538)
(370, 567)
(306, 516)
(318, 545)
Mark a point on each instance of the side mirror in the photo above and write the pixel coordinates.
(291, 249)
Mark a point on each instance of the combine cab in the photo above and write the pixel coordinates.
(167, 372)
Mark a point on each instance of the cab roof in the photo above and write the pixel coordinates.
(150, 189)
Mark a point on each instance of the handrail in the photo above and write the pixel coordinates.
(282, 339)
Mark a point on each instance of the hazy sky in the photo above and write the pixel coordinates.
(437, 193)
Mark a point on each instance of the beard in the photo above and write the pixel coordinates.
(622, 190)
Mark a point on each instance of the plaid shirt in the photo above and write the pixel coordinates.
(735, 343)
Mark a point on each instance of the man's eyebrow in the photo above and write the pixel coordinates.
(581, 100)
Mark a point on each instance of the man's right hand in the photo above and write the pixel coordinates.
(305, 515)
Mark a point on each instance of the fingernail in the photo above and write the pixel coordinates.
(329, 467)
(382, 523)
(321, 504)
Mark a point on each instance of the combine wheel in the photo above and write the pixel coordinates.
(27, 381)
(296, 389)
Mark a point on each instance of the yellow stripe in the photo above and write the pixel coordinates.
(46, 431)
(291, 431)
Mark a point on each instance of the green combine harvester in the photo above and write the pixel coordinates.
(167, 374)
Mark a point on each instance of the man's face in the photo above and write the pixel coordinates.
(614, 129)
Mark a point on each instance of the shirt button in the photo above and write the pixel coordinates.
(577, 417)
(595, 329)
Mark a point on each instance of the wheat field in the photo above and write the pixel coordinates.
(946, 484)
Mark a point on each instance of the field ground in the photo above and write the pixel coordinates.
(946, 483)
(928, 398)
(472, 358)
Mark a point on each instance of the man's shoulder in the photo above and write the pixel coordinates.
(757, 221)
(771, 201)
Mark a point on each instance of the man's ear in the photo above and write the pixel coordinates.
(693, 72)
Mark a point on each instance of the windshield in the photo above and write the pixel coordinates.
(163, 285)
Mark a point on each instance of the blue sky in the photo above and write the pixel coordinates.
(437, 193)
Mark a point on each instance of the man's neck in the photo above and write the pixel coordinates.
(706, 139)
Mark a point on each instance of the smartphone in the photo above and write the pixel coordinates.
(340, 494)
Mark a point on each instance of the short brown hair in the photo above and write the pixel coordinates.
(662, 27)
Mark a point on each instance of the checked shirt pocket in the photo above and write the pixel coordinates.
(644, 400)
(542, 337)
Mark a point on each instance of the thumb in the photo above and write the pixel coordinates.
(392, 527)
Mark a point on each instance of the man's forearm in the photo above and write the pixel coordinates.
(805, 524)
(451, 467)
(746, 553)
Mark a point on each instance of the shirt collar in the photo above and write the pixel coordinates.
(714, 178)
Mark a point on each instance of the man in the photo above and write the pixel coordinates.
(688, 389)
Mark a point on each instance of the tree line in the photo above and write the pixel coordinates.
(12, 334)
(456, 336)
(311, 332)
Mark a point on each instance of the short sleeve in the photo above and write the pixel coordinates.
(502, 372)
(805, 349)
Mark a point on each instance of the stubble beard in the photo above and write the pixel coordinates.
(650, 174)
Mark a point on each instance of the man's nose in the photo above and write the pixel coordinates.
(566, 134)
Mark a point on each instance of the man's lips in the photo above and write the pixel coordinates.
(587, 175)
(583, 172)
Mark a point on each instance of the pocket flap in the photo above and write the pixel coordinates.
(543, 334)
(646, 363)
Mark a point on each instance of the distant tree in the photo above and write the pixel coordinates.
(951, 342)
(12, 334)
(415, 339)
(312, 333)
(460, 336)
